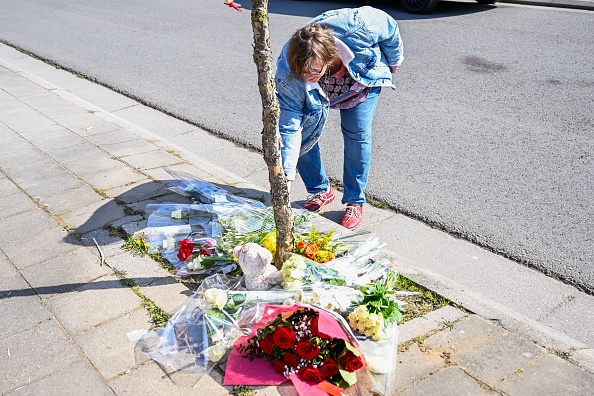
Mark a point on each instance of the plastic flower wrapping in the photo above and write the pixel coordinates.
(327, 320)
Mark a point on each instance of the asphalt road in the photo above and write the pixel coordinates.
(489, 135)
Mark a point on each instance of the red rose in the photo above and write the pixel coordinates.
(315, 331)
(350, 362)
(267, 344)
(307, 350)
(185, 249)
(205, 251)
(329, 368)
(291, 359)
(310, 373)
(284, 337)
(279, 366)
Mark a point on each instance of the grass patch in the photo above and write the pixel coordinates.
(243, 390)
(158, 316)
(128, 211)
(427, 301)
(377, 203)
(117, 232)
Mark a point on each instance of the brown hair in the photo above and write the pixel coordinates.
(313, 41)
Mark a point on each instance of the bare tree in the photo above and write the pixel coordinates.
(271, 141)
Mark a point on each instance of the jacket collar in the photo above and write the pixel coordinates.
(344, 53)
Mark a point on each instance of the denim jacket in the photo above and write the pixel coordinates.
(369, 41)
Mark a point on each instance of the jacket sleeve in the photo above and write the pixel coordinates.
(290, 127)
(384, 31)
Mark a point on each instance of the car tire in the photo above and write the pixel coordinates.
(419, 6)
(486, 1)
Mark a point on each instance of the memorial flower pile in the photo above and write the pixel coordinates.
(328, 281)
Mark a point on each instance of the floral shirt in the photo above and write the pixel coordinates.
(342, 90)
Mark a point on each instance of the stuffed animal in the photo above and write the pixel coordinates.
(255, 261)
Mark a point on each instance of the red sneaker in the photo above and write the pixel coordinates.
(352, 216)
(316, 201)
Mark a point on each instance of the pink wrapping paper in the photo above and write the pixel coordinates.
(240, 371)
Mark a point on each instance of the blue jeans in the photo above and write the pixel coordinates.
(356, 131)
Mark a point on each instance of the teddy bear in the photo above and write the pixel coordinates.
(255, 261)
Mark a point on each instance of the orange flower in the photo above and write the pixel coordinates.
(311, 250)
(300, 246)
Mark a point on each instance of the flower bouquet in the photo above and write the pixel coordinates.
(303, 344)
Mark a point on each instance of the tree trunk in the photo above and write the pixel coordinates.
(279, 192)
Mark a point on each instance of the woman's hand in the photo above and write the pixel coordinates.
(394, 68)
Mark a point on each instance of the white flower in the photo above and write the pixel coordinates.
(295, 273)
(176, 214)
(293, 285)
(195, 264)
(169, 243)
(217, 336)
(216, 297)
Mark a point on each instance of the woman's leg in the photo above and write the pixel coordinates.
(356, 131)
(312, 171)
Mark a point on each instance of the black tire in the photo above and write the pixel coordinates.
(419, 6)
(486, 1)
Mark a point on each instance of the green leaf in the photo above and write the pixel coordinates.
(349, 378)
(351, 348)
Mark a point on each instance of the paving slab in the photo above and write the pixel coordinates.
(549, 375)
(22, 87)
(48, 244)
(71, 200)
(39, 170)
(167, 293)
(56, 137)
(138, 192)
(76, 379)
(108, 347)
(64, 273)
(432, 321)
(571, 318)
(103, 97)
(26, 154)
(7, 186)
(32, 355)
(450, 381)
(131, 147)
(51, 105)
(112, 137)
(11, 141)
(94, 216)
(93, 304)
(114, 178)
(51, 185)
(151, 160)
(149, 119)
(82, 166)
(110, 245)
(91, 125)
(153, 381)
(20, 308)
(415, 364)
(23, 225)
(14, 204)
(484, 348)
(142, 270)
(83, 149)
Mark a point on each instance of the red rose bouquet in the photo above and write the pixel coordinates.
(293, 344)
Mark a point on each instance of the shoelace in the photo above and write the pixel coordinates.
(319, 195)
(350, 212)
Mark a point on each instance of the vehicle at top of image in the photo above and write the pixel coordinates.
(426, 6)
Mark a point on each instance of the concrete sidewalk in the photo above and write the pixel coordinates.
(76, 157)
